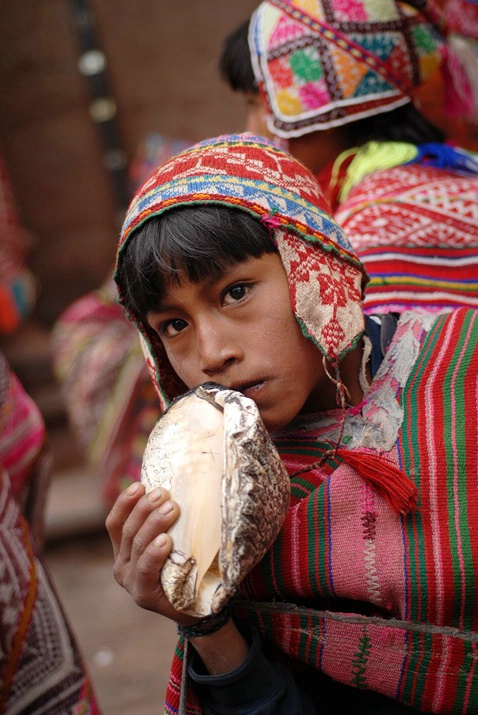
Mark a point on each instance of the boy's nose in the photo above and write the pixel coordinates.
(217, 351)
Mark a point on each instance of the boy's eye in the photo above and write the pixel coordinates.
(172, 327)
(236, 292)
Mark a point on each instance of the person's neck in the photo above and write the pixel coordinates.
(318, 149)
(350, 370)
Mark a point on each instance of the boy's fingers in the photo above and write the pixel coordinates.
(143, 581)
(138, 508)
(148, 571)
(157, 522)
(120, 512)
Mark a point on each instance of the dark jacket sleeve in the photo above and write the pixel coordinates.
(259, 687)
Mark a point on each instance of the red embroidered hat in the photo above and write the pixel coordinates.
(250, 173)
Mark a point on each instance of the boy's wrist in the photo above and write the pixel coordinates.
(223, 651)
(205, 626)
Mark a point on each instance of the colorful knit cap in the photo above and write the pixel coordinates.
(462, 21)
(324, 63)
(250, 173)
(462, 17)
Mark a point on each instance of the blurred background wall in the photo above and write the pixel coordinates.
(68, 137)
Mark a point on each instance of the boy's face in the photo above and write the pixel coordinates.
(239, 330)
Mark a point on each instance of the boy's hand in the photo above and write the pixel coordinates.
(137, 526)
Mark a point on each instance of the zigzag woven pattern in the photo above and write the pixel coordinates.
(322, 63)
(219, 171)
(416, 229)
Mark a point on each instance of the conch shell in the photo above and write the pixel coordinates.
(212, 452)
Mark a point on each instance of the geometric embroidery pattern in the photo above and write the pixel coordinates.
(322, 63)
(41, 669)
(416, 229)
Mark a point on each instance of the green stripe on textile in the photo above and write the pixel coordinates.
(272, 570)
(412, 433)
(455, 432)
(318, 562)
(435, 284)
(307, 646)
(306, 446)
(302, 487)
(414, 680)
(466, 699)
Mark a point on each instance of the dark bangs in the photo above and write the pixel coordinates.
(192, 243)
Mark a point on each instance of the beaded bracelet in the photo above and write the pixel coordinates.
(206, 626)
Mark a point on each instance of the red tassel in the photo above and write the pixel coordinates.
(384, 477)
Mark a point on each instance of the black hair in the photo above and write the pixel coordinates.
(403, 124)
(235, 65)
(192, 242)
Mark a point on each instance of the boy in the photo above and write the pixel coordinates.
(234, 272)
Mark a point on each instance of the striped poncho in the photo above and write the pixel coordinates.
(411, 631)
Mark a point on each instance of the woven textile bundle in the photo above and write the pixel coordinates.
(22, 430)
(42, 668)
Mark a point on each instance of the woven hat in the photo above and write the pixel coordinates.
(250, 173)
(462, 17)
(324, 63)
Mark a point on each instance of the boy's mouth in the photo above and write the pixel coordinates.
(249, 389)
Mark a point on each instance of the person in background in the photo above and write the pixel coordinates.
(339, 82)
(235, 68)
(109, 397)
(108, 394)
(17, 283)
(23, 450)
(234, 271)
(462, 22)
(41, 667)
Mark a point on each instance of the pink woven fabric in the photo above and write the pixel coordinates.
(22, 429)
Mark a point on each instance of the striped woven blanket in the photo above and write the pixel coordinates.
(411, 633)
